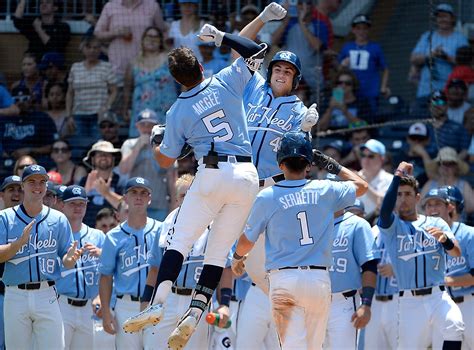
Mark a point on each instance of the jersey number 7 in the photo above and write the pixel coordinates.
(213, 129)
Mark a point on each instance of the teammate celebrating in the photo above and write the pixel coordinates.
(297, 216)
(417, 246)
(123, 263)
(79, 285)
(209, 116)
(34, 239)
(11, 192)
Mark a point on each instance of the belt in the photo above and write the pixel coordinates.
(384, 297)
(459, 300)
(2, 288)
(234, 159)
(350, 293)
(276, 178)
(78, 303)
(421, 292)
(35, 285)
(132, 298)
(310, 267)
(181, 291)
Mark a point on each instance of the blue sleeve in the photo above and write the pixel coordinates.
(3, 227)
(344, 53)
(242, 45)
(236, 76)
(344, 194)
(386, 211)
(421, 47)
(257, 220)
(381, 58)
(5, 98)
(321, 32)
(107, 258)
(364, 241)
(173, 141)
(65, 236)
(468, 249)
(156, 253)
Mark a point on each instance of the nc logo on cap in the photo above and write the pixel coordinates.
(285, 55)
(62, 188)
(76, 191)
(16, 178)
(35, 168)
(140, 180)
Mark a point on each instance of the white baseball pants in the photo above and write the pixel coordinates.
(78, 325)
(382, 330)
(125, 308)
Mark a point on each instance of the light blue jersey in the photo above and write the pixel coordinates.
(353, 245)
(298, 219)
(385, 286)
(418, 259)
(210, 112)
(457, 266)
(82, 281)
(41, 258)
(124, 255)
(268, 117)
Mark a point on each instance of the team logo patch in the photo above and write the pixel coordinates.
(140, 180)
(77, 191)
(16, 178)
(286, 55)
(35, 168)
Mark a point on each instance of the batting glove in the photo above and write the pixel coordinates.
(325, 162)
(272, 12)
(310, 119)
(211, 34)
(157, 134)
(238, 265)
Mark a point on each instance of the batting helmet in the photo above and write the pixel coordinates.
(294, 144)
(291, 58)
(455, 196)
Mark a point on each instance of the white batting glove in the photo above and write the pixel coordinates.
(238, 266)
(157, 134)
(211, 34)
(310, 119)
(272, 12)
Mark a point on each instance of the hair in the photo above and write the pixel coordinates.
(52, 84)
(87, 40)
(464, 56)
(160, 34)
(63, 141)
(295, 164)
(347, 71)
(32, 55)
(184, 66)
(105, 213)
(184, 180)
(410, 181)
(19, 160)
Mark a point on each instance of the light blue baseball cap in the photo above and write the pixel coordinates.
(444, 8)
(188, 1)
(374, 146)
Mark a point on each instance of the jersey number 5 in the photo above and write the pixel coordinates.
(213, 129)
(306, 239)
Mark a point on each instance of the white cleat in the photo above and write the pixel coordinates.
(151, 316)
(181, 334)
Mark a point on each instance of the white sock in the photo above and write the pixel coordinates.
(164, 288)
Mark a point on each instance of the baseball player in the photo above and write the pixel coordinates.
(209, 116)
(123, 263)
(446, 202)
(354, 266)
(417, 246)
(79, 285)
(297, 216)
(34, 239)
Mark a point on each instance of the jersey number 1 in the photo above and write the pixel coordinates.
(307, 239)
(213, 129)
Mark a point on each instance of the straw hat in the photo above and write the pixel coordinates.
(448, 154)
(102, 146)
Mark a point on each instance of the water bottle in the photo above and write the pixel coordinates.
(214, 318)
(97, 322)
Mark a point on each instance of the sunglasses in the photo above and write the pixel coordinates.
(448, 164)
(417, 138)
(23, 166)
(107, 126)
(438, 102)
(22, 98)
(60, 150)
(344, 82)
(370, 156)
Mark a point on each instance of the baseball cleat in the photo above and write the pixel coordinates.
(181, 334)
(151, 316)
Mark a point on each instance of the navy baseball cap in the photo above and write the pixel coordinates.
(361, 19)
(10, 180)
(34, 169)
(147, 116)
(137, 182)
(61, 189)
(74, 192)
(51, 58)
(52, 187)
(436, 193)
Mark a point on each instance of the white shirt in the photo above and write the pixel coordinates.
(457, 114)
(380, 184)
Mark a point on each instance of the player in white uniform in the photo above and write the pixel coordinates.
(297, 216)
(79, 285)
(34, 239)
(417, 246)
(123, 263)
(445, 202)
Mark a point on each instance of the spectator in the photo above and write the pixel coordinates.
(7, 105)
(184, 32)
(122, 212)
(365, 58)
(105, 220)
(356, 138)
(444, 42)
(306, 37)
(469, 125)
(148, 83)
(61, 155)
(55, 93)
(138, 158)
(372, 155)
(22, 163)
(210, 64)
(30, 133)
(45, 33)
(101, 158)
(446, 170)
(456, 95)
(51, 196)
(334, 150)
(448, 132)
(344, 106)
(11, 192)
(92, 90)
(122, 23)
(31, 79)
(109, 128)
(463, 69)
(52, 70)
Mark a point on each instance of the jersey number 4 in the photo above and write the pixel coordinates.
(306, 238)
(213, 129)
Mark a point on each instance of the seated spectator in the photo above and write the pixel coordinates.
(443, 42)
(22, 163)
(138, 159)
(106, 220)
(31, 133)
(446, 170)
(56, 108)
(448, 132)
(365, 58)
(463, 69)
(92, 90)
(122, 23)
(51, 197)
(210, 64)
(334, 150)
(31, 79)
(7, 105)
(148, 83)
(469, 125)
(456, 96)
(109, 128)
(344, 107)
(11, 192)
(44, 33)
(101, 158)
(372, 155)
(356, 138)
(184, 32)
(71, 173)
(52, 70)
(122, 212)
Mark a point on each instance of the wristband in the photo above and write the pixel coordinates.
(237, 256)
(226, 295)
(147, 293)
(448, 244)
(401, 173)
(367, 295)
